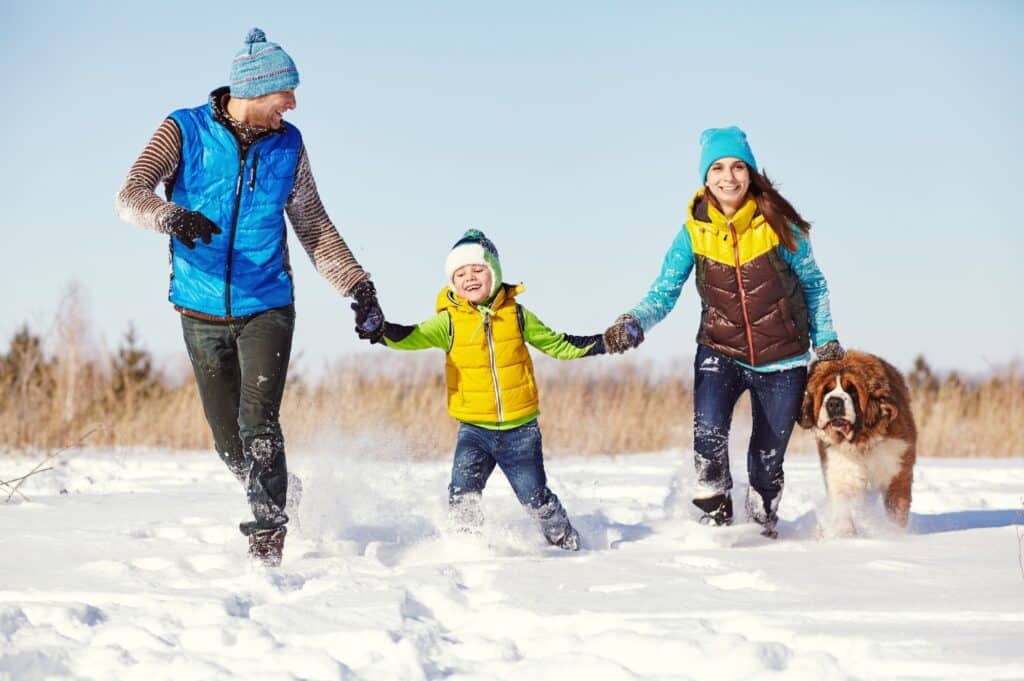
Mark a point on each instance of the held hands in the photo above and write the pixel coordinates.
(369, 316)
(829, 351)
(190, 225)
(625, 334)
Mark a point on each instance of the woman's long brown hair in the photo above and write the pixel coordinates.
(779, 212)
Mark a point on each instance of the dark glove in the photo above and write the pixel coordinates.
(187, 226)
(625, 334)
(828, 351)
(369, 317)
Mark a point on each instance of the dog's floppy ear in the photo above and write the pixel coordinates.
(889, 410)
(807, 419)
(880, 411)
(872, 410)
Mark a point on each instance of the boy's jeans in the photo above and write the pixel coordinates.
(240, 368)
(519, 454)
(775, 399)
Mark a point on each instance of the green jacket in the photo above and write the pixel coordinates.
(489, 373)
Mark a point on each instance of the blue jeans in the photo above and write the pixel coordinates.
(519, 454)
(775, 399)
(240, 368)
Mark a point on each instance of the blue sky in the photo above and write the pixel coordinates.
(568, 132)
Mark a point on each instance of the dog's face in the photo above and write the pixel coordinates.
(849, 399)
(838, 414)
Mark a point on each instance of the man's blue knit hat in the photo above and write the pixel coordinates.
(716, 143)
(261, 68)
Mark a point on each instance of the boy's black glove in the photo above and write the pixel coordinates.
(369, 316)
(625, 334)
(830, 350)
(189, 225)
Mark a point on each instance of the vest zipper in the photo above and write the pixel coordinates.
(743, 294)
(234, 226)
(494, 369)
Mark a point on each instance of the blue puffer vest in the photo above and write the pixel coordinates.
(245, 269)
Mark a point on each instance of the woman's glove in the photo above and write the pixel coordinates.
(189, 225)
(828, 351)
(625, 334)
(369, 316)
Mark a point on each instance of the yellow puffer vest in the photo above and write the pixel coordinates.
(488, 368)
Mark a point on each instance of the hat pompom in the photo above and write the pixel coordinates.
(255, 36)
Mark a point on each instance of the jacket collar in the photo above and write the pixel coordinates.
(704, 213)
(449, 300)
(246, 134)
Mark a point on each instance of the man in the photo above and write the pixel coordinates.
(231, 169)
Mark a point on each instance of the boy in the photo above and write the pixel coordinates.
(491, 389)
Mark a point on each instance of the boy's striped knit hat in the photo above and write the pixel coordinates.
(261, 68)
(474, 248)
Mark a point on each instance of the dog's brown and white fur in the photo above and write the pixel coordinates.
(859, 408)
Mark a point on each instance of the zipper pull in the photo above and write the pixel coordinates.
(252, 170)
(241, 176)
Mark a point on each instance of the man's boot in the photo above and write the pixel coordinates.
(266, 546)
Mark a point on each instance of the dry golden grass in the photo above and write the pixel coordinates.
(612, 406)
(604, 405)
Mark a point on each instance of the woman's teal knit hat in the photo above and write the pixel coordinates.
(716, 143)
(261, 68)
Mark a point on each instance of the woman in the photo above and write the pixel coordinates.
(763, 303)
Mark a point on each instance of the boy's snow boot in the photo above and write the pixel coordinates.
(465, 515)
(717, 510)
(570, 541)
(266, 546)
(554, 522)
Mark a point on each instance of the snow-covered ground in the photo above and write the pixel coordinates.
(127, 564)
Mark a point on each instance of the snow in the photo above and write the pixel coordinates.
(127, 564)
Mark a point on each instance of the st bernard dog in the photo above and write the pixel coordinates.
(859, 409)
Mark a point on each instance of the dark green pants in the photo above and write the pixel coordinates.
(240, 368)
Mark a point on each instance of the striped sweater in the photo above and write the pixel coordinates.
(136, 201)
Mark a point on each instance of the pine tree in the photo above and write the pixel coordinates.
(132, 368)
(24, 365)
